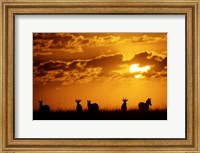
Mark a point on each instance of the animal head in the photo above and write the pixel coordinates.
(148, 101)
(124, 100)
(89, 101)
(40, 101)
(78, 101)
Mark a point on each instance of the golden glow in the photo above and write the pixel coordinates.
(136, 68)
(139, 76)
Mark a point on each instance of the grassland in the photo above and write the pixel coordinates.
(101, 115)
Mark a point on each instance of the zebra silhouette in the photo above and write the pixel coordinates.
(78, 106)
(124, 107)
(43, 108)
(144, 106)
(92, 107)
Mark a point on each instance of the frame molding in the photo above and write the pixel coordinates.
(189, 8)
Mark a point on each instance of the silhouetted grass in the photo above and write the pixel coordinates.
(102, 115)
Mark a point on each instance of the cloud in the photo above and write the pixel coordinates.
(50, 42)
(104, 40)
(107, 62)
(46, 43)
(148, 38)
(70, 58)
(39, 53)
(146, 58)
(102, 68)
(68, 77)
(68, 42)
(79, 70)
(52, 65)
(157, 66)
(157, 63)
(83, 77)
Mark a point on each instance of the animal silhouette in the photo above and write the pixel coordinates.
(43, 108)
(124, 107)
(92, 107)
(78, 106)
(144, 106)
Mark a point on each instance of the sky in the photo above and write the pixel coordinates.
(101, 67)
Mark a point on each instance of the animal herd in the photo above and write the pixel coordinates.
(94, 107)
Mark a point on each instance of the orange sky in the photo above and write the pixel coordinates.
(101, 67)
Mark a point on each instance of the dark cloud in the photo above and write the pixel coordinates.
(39, 73)
(79, 65)
(77, 58)
(147, 58)
(58, 41)
(43, 35)
(85, 41)
(59, 75)
(157, 63)
(52, 65)
(61, 42)
(109, 67)
(98, 67)
(69, 42)
(108, 63)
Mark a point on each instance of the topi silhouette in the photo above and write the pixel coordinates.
(144, 106)
(43, 108)
(78, 106)
(124, 107)
(92, 107)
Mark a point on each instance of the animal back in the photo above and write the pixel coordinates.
(143, 106)
(46, 108)
(95, 107)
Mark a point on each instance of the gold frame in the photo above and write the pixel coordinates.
(190, 8)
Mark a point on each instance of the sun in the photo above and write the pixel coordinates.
(139, 76)
(139, 70)
(135, 68)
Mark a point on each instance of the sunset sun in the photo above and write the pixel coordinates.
(135, 68)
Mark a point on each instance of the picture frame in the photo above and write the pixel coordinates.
(8, 143)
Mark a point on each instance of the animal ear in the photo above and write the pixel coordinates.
(78, 100)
